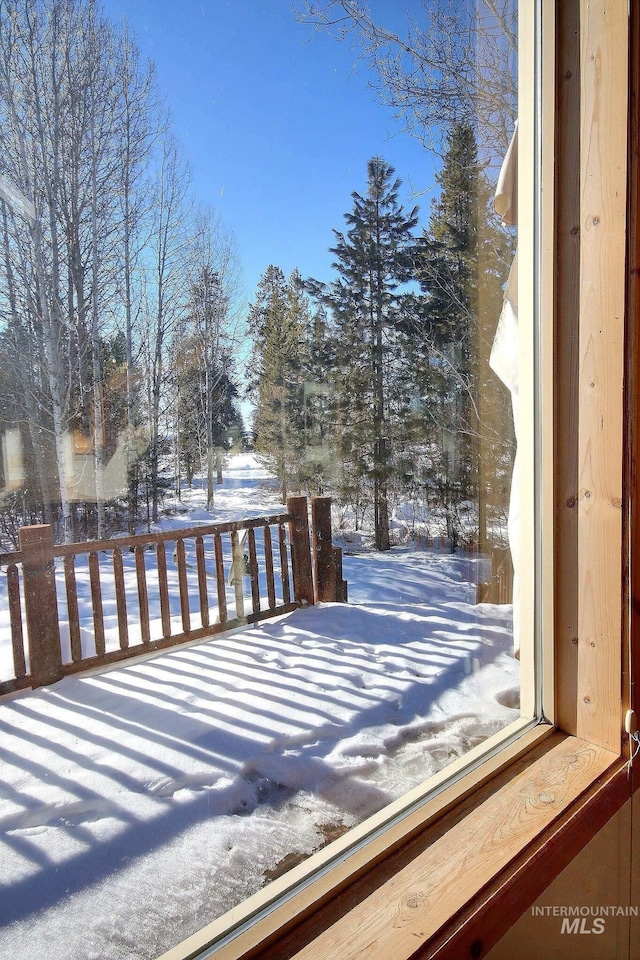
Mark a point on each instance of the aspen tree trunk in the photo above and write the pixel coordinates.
(98, 417)
(209, 434)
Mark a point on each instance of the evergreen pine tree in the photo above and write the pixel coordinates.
(319, 467)
(276, 324)
(373, 258)
(461, 263)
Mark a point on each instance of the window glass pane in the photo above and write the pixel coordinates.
(303, 284)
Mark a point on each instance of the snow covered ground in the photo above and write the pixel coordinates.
(139, 803)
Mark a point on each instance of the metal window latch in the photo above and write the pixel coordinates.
(630, 723)
(631, 727)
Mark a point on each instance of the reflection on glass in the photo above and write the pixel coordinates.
(147, 406)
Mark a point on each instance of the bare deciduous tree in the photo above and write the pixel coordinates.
(167, 289)
(77, 127)
(457, 63)
(141, 123)
(211, 325)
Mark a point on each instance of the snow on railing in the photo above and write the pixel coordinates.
(113, 599)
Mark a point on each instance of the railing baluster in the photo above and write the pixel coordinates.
(202, 582)
(121, 598)
(220, 585)
(284, 564)
(163, 587)
(253, 570)
(96, 603)
(15, 619)
(237, 570)
(268, 560)
(72, 607)
(143, 594)
(184, 587)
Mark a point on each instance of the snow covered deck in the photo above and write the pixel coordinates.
(139, 803)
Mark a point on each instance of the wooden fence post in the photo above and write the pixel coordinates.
(300, 550)
(341, 585)
(324, 568)
(41, 604)
(327, 559)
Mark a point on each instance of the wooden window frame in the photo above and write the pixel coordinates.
(448, 879)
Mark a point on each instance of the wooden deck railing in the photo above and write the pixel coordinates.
(193, 588)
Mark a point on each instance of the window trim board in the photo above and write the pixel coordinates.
(458, 877)
(494, 911)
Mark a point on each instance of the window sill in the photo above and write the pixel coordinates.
(453, 887)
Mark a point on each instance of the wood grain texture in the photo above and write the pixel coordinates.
(300, 541)
(71, 590)
(477, 865)
(324, 568)
(15, 620)
(183, 586)
(121, 598)
(96, 604)
(284, 564)
(41, 603)
(597, 876)
(202, 582)
(603, 165)
(632, 397)
(634, 933)
(143, 594)
(163, 589)
(220, 587)
(268, 562)
(253, 570)
(38, 588)
(145, 539)
(506, 898)
(412, 906)
(567, 341)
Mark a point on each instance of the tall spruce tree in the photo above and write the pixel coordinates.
(447, 270)
(276, 325)
(449, 248)
(318, 470)
(373, 259)
(461, 263)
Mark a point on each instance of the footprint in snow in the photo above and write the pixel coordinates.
(356, 679)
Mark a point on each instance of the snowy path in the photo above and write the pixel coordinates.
(137, 804)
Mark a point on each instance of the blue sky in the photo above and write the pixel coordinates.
(275, 121)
